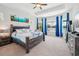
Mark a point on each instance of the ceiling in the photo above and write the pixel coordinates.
(28, 7)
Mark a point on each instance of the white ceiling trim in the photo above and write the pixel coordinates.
(54, 8)
(28, 7)
(53, 13)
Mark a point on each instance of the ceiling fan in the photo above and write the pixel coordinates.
(39, 5)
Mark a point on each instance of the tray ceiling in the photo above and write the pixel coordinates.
(28, 7)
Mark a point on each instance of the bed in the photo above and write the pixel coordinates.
(28, 39)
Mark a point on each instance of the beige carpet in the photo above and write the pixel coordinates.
(12, 50)
(53, 46)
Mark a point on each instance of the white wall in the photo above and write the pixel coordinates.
(74, 10)
(7, 12)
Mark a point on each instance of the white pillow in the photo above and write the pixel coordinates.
(22, 30)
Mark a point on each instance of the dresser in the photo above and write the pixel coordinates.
(5, 35)
(4, 38)
(73, 43)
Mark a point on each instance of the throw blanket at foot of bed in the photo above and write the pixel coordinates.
(28, 40)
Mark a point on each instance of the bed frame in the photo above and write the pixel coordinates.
(30, 43)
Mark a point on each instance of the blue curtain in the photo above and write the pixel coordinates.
(68, 23)
(36, 23)
(61, 34)
(57, 26)
(44, 25)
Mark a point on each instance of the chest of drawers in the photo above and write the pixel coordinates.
(73, 43)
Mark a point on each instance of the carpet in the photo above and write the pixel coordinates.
(53, 46)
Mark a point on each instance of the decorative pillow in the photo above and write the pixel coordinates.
(22, 30)
(36, 33)
(18, 31)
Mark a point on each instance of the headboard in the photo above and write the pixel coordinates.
(20, 27)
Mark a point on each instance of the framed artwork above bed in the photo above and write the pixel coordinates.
(20, 22)
(19, 19)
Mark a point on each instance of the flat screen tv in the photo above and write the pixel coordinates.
(19, 19)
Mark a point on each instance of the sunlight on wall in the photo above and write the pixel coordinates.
(1, 19)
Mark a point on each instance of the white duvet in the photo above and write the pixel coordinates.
(22, 36)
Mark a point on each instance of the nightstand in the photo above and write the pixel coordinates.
(4, 39)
